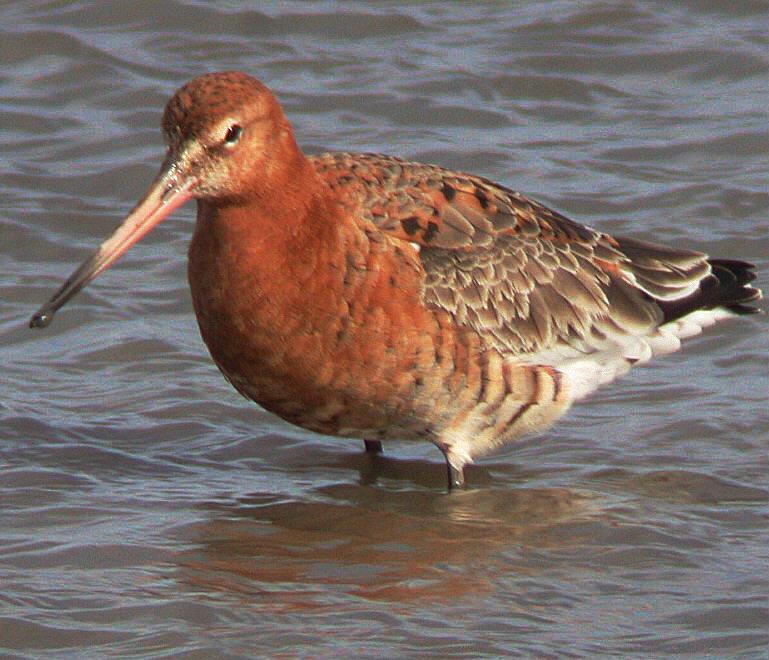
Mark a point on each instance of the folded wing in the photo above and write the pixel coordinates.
(540, 288)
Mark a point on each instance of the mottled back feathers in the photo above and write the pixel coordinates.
(524, 277)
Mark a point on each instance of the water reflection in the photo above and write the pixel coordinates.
(400, 545)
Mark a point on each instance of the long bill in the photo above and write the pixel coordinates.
(168, 192)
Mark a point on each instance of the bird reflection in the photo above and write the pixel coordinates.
(401, 544)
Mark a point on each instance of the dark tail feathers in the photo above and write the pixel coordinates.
(726, 286)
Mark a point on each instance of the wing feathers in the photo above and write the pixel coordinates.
(534, 284)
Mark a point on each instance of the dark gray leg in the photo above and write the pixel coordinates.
(454, 468)
(456, 476)
(373, 446)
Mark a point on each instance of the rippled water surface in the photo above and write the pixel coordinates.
(146, 510)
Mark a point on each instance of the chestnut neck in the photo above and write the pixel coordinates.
(274, 237)
(278, 195)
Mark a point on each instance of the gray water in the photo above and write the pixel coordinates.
(146, 510)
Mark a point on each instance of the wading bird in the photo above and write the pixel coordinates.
(365, 296)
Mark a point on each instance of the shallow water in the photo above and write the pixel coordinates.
(146, 510)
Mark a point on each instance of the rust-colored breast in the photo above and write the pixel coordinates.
(326, 326)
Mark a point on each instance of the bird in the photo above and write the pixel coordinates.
(365, 296)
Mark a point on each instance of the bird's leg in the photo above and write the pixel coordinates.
(373, 446)
(456, 475)
(455, 466)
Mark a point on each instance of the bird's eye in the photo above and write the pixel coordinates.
(233, 134)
